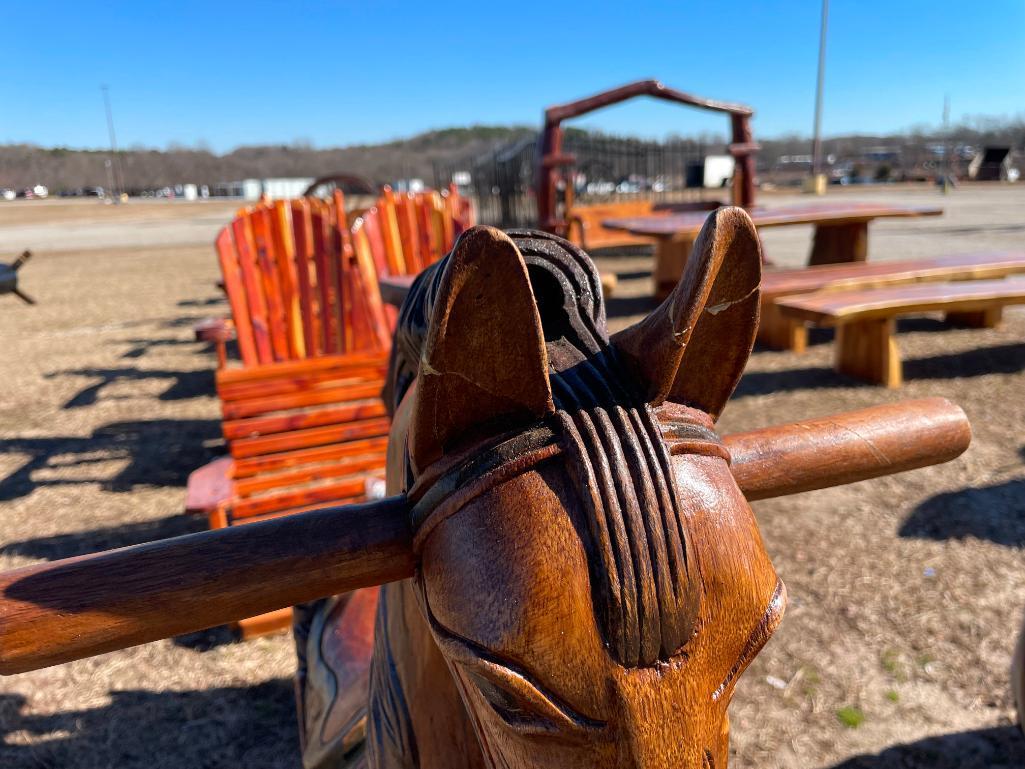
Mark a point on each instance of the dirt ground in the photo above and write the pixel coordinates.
(906, 592)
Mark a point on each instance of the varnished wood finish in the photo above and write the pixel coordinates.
(303, 418)
(830, 214)
(585, 224)
(990, 317)
(829, 451)
(835, 307)
(784, 333)
(839, 243)
(54, 613)
(771, 462)
(866, 350)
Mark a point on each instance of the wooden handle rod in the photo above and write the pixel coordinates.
(78, 607)
(65, 610)
(849, 447)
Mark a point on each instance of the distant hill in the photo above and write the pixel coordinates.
(59, 168)
(24, 165)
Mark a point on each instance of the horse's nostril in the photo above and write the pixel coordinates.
(709, 761)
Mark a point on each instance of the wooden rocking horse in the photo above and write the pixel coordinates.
(572, 574)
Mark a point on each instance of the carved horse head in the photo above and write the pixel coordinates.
(588, 568)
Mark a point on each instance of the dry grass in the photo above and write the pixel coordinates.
(906, 591)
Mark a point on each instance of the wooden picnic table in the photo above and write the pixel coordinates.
(841, 231)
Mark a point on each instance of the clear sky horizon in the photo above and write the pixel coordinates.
(335, 73)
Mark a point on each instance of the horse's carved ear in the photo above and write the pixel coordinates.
(484, 366)
(693, 348)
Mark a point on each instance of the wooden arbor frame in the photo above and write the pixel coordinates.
(551, 157)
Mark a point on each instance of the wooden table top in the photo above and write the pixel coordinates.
(689, 222)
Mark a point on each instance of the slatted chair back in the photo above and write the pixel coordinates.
(410, 231)
(295, 288)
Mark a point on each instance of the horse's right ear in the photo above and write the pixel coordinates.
(693, 348)
(484, 366)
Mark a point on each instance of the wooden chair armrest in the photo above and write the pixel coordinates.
(214, 330)
(209, 486)
(218, 332)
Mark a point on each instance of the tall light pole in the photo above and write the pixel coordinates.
(115, 159)
(816, 147)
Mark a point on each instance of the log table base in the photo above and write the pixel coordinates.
(671, 255)
(839, 243)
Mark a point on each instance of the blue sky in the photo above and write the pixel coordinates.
(339, 72)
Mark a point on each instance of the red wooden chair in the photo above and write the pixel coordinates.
(302, 416)
(405, 232)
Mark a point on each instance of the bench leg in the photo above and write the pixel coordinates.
(866, 349)
(838, 243)
(670, 258)
(988, 318)
(778, 332)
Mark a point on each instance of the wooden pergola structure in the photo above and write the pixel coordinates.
(551, 158)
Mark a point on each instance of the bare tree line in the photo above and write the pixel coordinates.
(24, 165)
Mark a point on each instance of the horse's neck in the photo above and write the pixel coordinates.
(416, 717)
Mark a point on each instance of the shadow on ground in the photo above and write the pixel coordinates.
(160, 452)
(183, 384)
(1000, 747)
(1000, 359)
(141, 346)
(995, 513)
(105, 538)
(250, 726)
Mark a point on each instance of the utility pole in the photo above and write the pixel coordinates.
(115, 158)
(816, 146)
(946, 143)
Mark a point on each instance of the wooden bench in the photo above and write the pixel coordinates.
(865, 320)
(780, 332)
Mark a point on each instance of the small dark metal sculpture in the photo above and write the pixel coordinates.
(574, 575)
(9, 278)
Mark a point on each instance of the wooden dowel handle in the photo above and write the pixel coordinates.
(845, 448)
(65, 610)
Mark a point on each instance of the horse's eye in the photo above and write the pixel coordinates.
(509, 707)
(522, 706)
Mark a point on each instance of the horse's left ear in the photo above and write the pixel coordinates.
(693, 348)
(484, 366)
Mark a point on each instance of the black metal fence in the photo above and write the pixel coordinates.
(607, 168)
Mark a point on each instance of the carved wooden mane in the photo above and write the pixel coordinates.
(644, 589)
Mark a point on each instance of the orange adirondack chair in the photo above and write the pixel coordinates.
(302, 417)
(405, 232)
